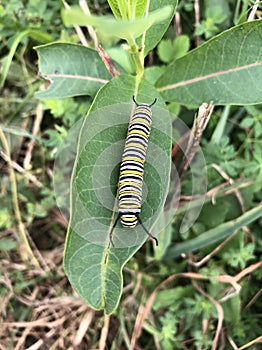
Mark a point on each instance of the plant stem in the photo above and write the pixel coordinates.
(138, 59)
(136, 56)
(25, 250)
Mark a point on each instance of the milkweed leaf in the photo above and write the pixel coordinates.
(82, 71)
(94, 267)
(108, 25)
(226, 69)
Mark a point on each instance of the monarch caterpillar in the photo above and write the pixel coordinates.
(132, 169)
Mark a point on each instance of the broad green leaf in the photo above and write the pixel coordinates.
(155, 33)
(93, 267)
(122, 29)
(153, 73)
(227, 70)
(215, 235)
(72, 70)
(128, 9)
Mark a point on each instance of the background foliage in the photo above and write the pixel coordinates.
(206, 298)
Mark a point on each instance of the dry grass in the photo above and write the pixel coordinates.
(39, 310)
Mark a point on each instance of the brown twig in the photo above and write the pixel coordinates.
(178, 24)
(200, 122)
(138, 323)
(252, 14)
(91, 31)
(215, 251)
(220, 314)
(197, 20)
(231, 182)
(25, 250)
(111, 67)
(31, 143)
(27, 175)
(252, 342)
(78, 29)
(83, 327)
(233, 280)
(104, 333)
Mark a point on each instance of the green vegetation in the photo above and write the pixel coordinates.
(68, 75)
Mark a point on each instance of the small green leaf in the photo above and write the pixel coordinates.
(122, 29)
(247, 122)
(220, 70)
(128, 9)
(172, 50)
(93, 268)
(165, 50)
(7, 244)
(232, 309)
(122, 57)
(181, 46)
(72, 70)
(216, 13)
(239, 257)
(171, 297)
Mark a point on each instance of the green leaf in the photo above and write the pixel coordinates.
(7, 244)
(172, 50)
(247, 122)
(72, 70)
(14, 130)
(153, 73)
(181, 46)
(232, 309)
(165, 237)
(7, 62)
(227, 70)
(128, 9)
(219, 131)
(212, 215)
(165, 50)
(93, 268)
(35, 34)
(215, 235)
(216, 14)
(119, 55)
(40, 36)
(122, 29)
(171, 297)
(158, 29)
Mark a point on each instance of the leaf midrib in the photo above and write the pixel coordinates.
(207, 76)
